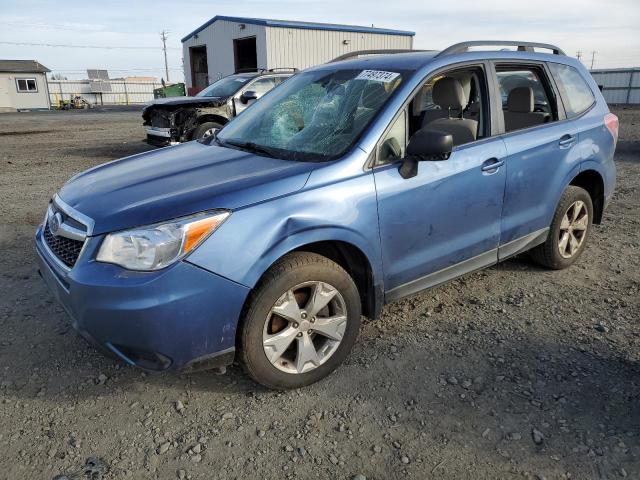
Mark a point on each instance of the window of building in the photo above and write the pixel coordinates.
(26, 85)
(576, 94)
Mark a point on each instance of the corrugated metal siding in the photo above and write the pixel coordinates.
(293, 47)
(122, 93)
(619, 85)
(218, 38)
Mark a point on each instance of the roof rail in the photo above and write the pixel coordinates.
(522, 46)
(374, 52)
(278, 69)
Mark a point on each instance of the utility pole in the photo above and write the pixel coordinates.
(163, 36)
(579, 54)
(593, 57)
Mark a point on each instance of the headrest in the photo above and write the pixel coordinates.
(520, 100)
(448, 93)
(373, 95)
(465, 81)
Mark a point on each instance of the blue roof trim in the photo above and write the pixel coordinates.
(302, 25)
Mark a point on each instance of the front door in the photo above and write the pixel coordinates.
(445, 221)
(447, 216)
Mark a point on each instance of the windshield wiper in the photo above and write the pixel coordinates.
(250, 147)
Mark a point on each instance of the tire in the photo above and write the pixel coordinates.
(302, 274)
(202, 129)
(551, 253)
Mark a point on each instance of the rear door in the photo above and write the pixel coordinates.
(540, 156)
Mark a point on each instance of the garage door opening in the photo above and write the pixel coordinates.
(199, 69)
(245, 54)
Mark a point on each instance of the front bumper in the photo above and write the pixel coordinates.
(173, 319)
(161, 137)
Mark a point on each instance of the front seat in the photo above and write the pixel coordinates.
(519, 113)
(449, 95)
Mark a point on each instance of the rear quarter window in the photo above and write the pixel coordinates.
(576, 93)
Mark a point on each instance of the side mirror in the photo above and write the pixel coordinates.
(247, 96)
(428, 144)
(425, 144)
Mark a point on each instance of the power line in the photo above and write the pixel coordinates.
(75, 28)
(110, 47)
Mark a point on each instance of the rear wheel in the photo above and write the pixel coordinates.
(301, 322)
(569, 230)
(205, 130)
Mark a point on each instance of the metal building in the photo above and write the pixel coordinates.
(619, 85)
(225, 45)
(23, 85)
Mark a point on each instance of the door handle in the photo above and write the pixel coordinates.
(491, 165)
(567, 140)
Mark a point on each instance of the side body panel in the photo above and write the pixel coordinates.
(338, 203)
(596, 142)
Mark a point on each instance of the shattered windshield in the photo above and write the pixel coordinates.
(313, 116)
(225, 86)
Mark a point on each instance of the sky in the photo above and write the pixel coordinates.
(611, 29)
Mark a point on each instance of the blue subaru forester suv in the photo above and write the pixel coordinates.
(353, 184)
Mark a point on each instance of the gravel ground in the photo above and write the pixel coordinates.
(513, 372)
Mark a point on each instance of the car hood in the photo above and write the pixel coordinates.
(176, 181)
(186, 101)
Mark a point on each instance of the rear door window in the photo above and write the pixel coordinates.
(527, 97)
(576, 94)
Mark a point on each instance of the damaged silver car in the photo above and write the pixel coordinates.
(169, 121)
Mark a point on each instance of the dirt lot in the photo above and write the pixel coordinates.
(514, 372)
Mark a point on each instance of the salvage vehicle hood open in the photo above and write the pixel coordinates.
(156, 186)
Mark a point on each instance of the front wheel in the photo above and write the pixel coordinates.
(205, 130)
(300, 323)
(569, 230)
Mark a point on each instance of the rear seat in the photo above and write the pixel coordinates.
(519, 113)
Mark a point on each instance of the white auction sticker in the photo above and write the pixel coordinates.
(377, 75)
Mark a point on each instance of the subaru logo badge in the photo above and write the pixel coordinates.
(54, 223)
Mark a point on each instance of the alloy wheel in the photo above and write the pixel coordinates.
(210, 132)
(573, 229)
(305, 327)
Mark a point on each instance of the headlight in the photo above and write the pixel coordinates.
(157, 246)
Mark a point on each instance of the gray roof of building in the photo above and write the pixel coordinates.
(302, 25)
(22, 66)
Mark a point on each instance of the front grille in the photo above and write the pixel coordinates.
(65, 249)
(159, 119)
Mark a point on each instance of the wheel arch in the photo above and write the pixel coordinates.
(593, 183)
(351, 257)
(207, 117)
(212, 117)
(356, 264)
